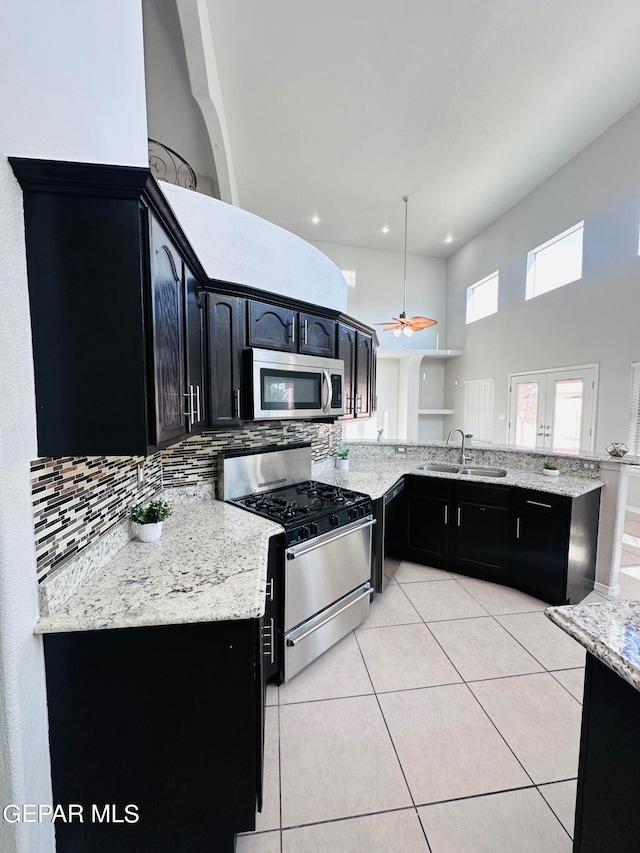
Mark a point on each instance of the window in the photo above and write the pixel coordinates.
(634, 410)
(482, 298)
(556, 263)
(478, 408)
(349, 277)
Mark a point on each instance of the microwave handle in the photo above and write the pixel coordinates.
(326, 382)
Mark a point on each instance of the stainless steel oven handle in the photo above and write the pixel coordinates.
(330, 618)
(294, 552)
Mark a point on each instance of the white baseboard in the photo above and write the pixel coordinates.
(609, 591)
(634, 509)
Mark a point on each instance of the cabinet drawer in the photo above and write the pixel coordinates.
(482, 493)
(528, 500)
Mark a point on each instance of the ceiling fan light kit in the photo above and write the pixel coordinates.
(404, 325)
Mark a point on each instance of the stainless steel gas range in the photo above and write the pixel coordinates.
(326, 546)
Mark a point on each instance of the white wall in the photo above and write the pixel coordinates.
(73, 89)
(173, 115)
(595, 319)
(240, 247)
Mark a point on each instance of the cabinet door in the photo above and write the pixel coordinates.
(195, 387)
(540, 560)
(481, 541)
(347, 352)
(428, 527)
(364, 367)
(168, 338)
(317, 335)
(272, 327)
(226, 342)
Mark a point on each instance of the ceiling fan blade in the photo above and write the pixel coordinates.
(418, 323)
(392, 327)
(386, 323)
(402, 320)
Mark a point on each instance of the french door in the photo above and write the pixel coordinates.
(553, 409)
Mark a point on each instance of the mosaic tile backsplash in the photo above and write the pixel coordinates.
(78, 499)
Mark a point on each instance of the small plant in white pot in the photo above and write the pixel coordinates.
(342, 461)
(468, 437)
(148, 519)
(380, 434)
(550, 469)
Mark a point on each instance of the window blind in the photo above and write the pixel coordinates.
(478, 408)
(634, 410)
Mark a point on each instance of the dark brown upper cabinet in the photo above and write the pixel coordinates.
(116, 327)
(317, 335)
(272, 327)
(357, 351)
(226, 340)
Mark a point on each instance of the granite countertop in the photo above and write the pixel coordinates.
(610, 631)
(209, 566)
(375, 477)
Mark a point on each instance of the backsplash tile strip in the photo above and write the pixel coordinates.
(79, 500)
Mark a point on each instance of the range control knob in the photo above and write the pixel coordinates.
(333, 520)
(352, 513)
(313, 529)
(303, 533)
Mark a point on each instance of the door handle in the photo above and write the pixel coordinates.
(446, 514)
(306, 331)
(236, 401)
(326, 381)
(517, 528)
(191, 413)
(198, 413)
(293, 330)
(459, 517)
(295, 640)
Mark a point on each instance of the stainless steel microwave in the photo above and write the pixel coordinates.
(291, 385)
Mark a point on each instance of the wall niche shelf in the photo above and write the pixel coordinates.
(436, 411)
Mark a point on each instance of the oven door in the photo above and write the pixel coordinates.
(288, 385)
(327, 591)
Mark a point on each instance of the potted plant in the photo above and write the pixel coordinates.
(380, 431)
(550, 469)
(342, 461)
(149, 519)
(468, 437)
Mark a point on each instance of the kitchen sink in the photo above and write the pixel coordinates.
(467, 471)
(440, 467)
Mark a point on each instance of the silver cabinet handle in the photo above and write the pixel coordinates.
(446, 514)
(517, 528)
(306, 331)
(191, 413)
(198, 415)
(236, 396)
(269, 591)
(293, 642)
(347, 531)
(326, 382)
(539, 503)
(459, 516)
(293, 330)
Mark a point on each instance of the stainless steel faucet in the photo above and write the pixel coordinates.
(463, 458)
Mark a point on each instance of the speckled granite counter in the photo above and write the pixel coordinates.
(210, 565)
(610, 631)
(375, 477)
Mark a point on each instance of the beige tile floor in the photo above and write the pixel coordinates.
(449, 722)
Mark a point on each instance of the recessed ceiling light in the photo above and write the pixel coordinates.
(385, 229)
(448, 239)
(315, 219)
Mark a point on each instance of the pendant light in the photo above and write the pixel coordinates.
(403, 325)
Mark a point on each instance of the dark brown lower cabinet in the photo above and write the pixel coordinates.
(541, 543)
(168, 720)
(607, 815)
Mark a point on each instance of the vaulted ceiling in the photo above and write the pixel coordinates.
(336, 109)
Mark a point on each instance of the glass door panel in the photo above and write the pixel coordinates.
(526, 415)
(567, 415)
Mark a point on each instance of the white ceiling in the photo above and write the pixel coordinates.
(340, 107)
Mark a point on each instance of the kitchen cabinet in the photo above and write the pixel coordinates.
(317, 335)
(177, 330)
(356, 350)
(554, 544)
(429, 514)
(116, 326)
(226, 340)
(480, 541)
(272, 327)
(168, 719)
(541, 543)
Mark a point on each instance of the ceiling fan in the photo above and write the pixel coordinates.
(404, 325)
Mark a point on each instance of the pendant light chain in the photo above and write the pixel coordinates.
(406, 216)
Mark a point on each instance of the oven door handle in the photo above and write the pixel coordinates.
(292, 553)
(294, 640)
(326, 384)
